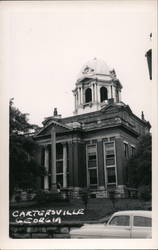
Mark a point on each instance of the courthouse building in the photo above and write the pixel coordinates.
(90, 149)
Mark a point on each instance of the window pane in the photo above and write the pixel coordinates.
(109, 152)
(111, 175)
(93, 176)
(122, 220)
(91, 164)
(88, 95)
(112, 138)
(105, 139)
(59, 156)
(110, 161)
(92, 157)
(140, 221)
(103, 94)
(59, 151)
(92, 149)
(126, 150)
(109, 145)
(59, 167)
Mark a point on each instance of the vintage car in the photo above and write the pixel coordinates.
(122, 224)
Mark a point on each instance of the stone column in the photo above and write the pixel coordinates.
(64, 165)
(46, 165)
(76, 98)
(71, 163)
(98, 92)
(81, 95)
(95, 92)
(53, 167)
(119, 96)
(76, 162)
(114, 94)
(75, 101)
(111, 91)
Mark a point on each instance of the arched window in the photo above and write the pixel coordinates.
(88, 95)
(103, 94)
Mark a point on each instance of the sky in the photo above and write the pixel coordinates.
(45, 45)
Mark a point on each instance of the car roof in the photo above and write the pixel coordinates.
(134, 212)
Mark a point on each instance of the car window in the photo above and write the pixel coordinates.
(140, 221)
(121, 220)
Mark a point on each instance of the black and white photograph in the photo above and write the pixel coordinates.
(79, 81)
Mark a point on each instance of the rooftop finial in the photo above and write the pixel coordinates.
(55, 112)
(150, 36)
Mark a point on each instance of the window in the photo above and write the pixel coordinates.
(110, 154)
(110, 159)
(111, 176)
(112, 138)
(122, 220)
(91, 157)
(110, 162)
(92, 166)
(133, 150)
(94, 141)
(140, 221)
(103, 94)
(105, 139)
(59, 167)
(93, 176)
(126, 150)
(59, 151)
(88, 95)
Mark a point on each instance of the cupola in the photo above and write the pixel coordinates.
(96, 84)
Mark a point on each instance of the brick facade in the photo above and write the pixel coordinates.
(113, 126)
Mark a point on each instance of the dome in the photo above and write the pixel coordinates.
(94, 67)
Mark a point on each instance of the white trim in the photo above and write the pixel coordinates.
(103, 137)
(53, 122)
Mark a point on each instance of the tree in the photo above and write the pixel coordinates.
(23, 167)
(139, 166)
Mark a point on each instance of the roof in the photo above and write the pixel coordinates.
(55, 123)
(134, 212)
(109, 117)
(93, 68)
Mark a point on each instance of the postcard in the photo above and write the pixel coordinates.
(79, 124)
